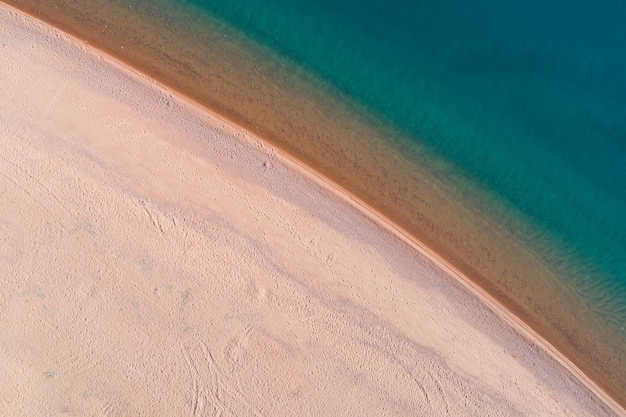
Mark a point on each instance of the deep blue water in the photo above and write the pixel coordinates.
(526, 99)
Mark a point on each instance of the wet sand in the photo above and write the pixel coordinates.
(160, 258)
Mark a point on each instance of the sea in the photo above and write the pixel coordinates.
(517, 110)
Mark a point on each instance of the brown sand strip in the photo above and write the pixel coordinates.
(429, 187)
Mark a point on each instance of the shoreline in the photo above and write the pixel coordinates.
(341, 193)
(218, 68)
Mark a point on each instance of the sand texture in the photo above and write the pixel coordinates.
(158, 261)
(301, 115)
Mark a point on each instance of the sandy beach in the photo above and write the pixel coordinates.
(158, 260)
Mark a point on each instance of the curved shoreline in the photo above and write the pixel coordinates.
(219, 68)
(344, 194)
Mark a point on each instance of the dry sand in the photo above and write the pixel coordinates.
(156, 261)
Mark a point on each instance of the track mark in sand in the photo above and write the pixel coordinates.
(26, 191)
(430, 389)
(154, 218)
(419, 384)
(204, 398)
(235, 394)
(20, 171)
(211, 393)
(440, 401)
(114, 407)
(236, 346)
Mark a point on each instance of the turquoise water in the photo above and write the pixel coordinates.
(526, 99)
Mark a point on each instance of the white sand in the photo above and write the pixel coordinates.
(156, 261)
